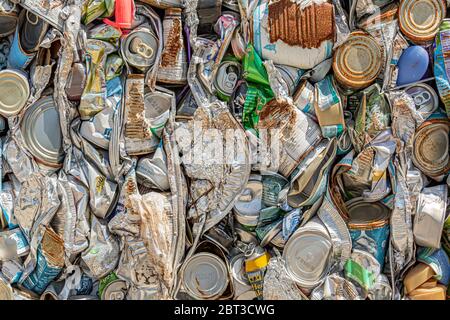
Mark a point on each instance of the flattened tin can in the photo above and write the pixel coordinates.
(307, 254)
(419, 20)
(112, 288)
(14, 92)
(139, 48)
(369, 227)
(431, 148)
(42, 132)
(249, 203)
(358, 62)
(205, 276)
(173, 68)
(157, 106)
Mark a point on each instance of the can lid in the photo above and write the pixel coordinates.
(115, 290)
(307, 254)
(42, 131)
(358, 61)
(424, 96)
(249, 202)
(431, 143)
(419, 20)
(362, 212)
(14, 92)
(227, 76)
(205, 276)
(140, 48)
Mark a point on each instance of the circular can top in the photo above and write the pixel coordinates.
(156, 104)
(363, 213)
(205, 276)
(140, 48)
(358, 61)
(424, 96)
(115, 290)
(5, 291)
(249, 203)
(227, 77)
(14, 92)
(42, 132)
(419, 20)
(307, 254)
(431, 149)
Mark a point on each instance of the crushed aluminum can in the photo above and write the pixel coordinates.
(425, 98)
(256, 260)
(140, 47)
(228, 74)
(13, 244)
(240, 281)
(272, 184)
(112, 288)
(173, 68)
(363, 269)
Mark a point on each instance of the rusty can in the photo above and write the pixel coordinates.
(173, 67)
(358, 62)
(431, 147)
(419, 20)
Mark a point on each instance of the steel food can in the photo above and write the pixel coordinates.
(363, 269)
(173, 67)
(272, 184)
(425, 98)
(369, 227)
(256, 263)
(419, 20)
(431, 148)
(42, 132)
(14, 92)
(249, 203)
(205, 276)
(227, 76)
(139, 48)
(438, 260)
(358, 62)
(307, 254)
(240, 280)
(112, 288)
(304, 97)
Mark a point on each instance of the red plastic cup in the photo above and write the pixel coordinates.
(124, 14)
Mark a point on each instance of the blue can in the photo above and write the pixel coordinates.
(438, 260)
(18, 58)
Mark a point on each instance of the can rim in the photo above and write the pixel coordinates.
(21, 80)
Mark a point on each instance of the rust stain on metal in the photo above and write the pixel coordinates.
(276, 115)
(136, 127)
(173, 45)
(307, 28)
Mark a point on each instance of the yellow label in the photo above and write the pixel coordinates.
(258, 263)
(99, 183)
